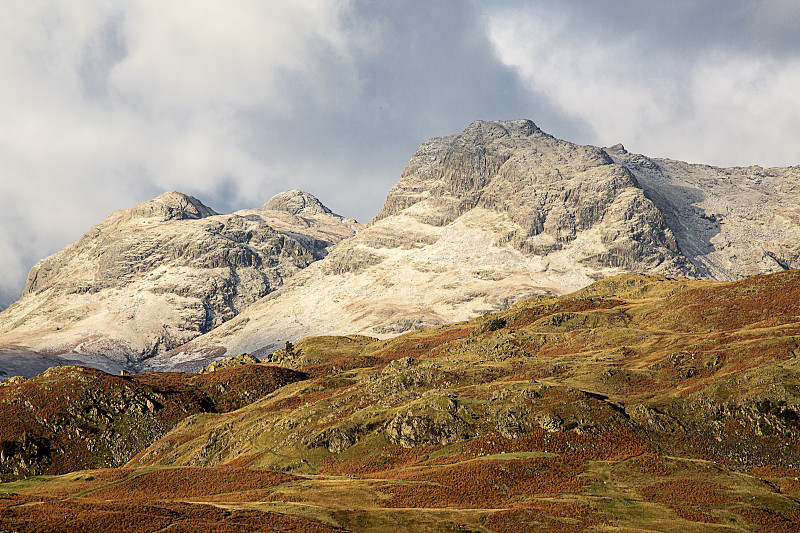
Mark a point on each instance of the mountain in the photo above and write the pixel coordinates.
(478, 220)
(537, 336)
(730, 223)
(503, 211)
(150, 278)
(638, 403)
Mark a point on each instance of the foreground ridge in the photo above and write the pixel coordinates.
(640, 402)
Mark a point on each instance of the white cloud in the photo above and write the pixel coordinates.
(710, 105)
(206, 53)
(110, 103)
(745, 111)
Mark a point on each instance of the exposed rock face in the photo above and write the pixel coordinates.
(730, 223)
(230, 362)
(440, 423)
(478, 220)
(151, 278)
(552, 191)
(503, 211)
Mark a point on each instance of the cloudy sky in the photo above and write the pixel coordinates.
(107, 103)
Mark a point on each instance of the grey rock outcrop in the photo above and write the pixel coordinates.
(551, 190)
(336, 439)
(229, 362)
(477, 221)
(150, 278)
(428, 427)
(297, 202)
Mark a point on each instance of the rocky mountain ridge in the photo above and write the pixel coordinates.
(477, 221)
(730, 223)
(150, 278)
(503, 211)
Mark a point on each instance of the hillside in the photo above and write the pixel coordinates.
(504, 211)
(150, 278)
(638, 403)
(71, 417)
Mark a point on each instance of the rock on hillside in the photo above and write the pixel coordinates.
(502, 211)
(151, 278)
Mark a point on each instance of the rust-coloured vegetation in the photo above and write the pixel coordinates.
(91, 516)
(72, 418)
(486, 483)
(422, 343)
(770, 521)
(732, 306)
(190, 482)
(651, 465)
(545, 516)
(527, 316)
(695, 513)
(687, 492)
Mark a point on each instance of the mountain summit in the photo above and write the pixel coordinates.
(172, 206)
(551, 192)
(298, 203)
(639, 402)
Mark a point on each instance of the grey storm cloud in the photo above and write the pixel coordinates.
(107, 104)
(676, 28)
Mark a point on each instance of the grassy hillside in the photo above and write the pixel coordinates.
(640, 403)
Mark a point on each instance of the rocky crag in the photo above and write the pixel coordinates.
(503, 211)
(730, 223)
(153, 277)
(477, 221)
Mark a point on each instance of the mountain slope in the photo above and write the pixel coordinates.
(150, 278)
(697, 352)
(639, 403)
(503, 211)
(70, 417)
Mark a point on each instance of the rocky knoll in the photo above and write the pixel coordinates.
(503, 211)
(151, 278)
